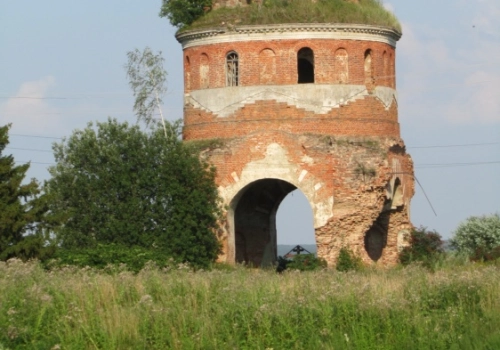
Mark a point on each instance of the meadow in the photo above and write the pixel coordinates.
(455, 307)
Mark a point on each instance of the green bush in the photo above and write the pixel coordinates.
(182, 13)
(425, 247)
(348, 261)
(478, 236)
(116, 184)
(485, 255)
(301, 262)
(106, 255)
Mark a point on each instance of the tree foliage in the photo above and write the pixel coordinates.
(21, 208)
(182, 13)
(425, 247)
(477, 235)
(147, 78)
(116, 184)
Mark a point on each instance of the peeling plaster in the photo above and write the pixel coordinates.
(320, 99)
(276, 165)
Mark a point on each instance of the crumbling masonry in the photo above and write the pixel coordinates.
(307, 106)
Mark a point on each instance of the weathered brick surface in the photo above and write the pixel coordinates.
(349, 161)
(257, 63)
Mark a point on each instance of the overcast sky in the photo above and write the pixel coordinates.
(61, 66)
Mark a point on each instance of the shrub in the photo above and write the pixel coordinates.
(484, 255)
(104, 255)
(425, 247)
(478, 236)
(347, 260)
(182, 13)
(116, 184)
(301, 262)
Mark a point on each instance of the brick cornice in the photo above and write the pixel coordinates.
(295, 31)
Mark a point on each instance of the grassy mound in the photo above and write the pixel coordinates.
(369, 12)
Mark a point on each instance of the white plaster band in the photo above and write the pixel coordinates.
(325, 31)
(317, 98)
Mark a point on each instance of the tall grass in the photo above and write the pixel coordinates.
(301, 11)
(242, 308)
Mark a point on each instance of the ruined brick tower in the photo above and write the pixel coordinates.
(308, 106)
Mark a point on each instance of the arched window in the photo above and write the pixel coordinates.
(393, 71)
(204, 72)
(387, 74)
(305, 66)
(368, 68)
(232, 73)
(341, 66)
(187, 77)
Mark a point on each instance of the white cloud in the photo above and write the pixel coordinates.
(443, 80)
(486, 19)
(28, 110)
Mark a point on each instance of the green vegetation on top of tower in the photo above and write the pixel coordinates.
(197, 14)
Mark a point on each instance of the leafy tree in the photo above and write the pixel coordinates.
(115, 184)
(21, 208)
(182, 13)
(147, 78)
(425, 247)
(477, 235)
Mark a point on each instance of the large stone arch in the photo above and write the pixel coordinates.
(274, 176)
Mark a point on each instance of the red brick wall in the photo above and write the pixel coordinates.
(275, 62)
(366, 117)
(286, 62)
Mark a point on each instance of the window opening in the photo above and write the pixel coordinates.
(232, 74)
(368, 68)
(204, 72)
(305, 66)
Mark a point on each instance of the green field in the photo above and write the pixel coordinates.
(456, 307)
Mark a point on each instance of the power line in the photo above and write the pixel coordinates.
(461, 145)
(37, 136)
(452, 165)
(29, 149)
(91, 96)
(38, 163)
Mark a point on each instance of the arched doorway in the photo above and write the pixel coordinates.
(255, 232)
(305, 66)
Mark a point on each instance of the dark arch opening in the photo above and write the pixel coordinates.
(305, 66)
(255, 233)
(376, 236)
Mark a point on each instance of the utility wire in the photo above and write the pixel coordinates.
(29, 149)
(37, 136)
(462, 145)
(452, 165)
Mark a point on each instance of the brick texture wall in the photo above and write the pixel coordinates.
(331, 150)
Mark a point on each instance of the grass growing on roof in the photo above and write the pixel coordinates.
(370, 12)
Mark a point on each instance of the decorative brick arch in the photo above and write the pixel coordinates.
(341, 66)
(267, 63)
